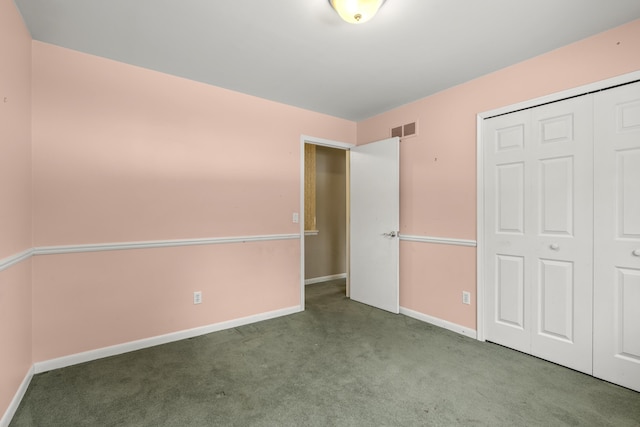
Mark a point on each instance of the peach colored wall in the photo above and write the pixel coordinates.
(15, 201)
(15, 330)
(15, 132)
(91, 300)
(438, 167)
(126, 154)
(123, 153)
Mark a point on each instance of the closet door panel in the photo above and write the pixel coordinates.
(627, 301)
(507, 226)
(617, 236)
(510, 304)
(628, 203)
(556, 196)
(562, 158)
(556, 289)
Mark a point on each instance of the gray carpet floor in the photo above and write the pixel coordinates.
(339, 363)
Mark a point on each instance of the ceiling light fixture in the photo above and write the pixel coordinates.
(356, 11)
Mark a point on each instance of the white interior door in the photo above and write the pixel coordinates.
(617, 236)
(538, 230)
(374, 224)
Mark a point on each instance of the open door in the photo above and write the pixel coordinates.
(375, 224)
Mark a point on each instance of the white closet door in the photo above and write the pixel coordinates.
(538, 231)
(617, 236)
(562, 181)
(507, 226)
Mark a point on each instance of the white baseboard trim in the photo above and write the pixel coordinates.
(463, 330)
(114, 350)
(17, 398)
(325, 278)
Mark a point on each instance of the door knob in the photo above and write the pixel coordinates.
(554, 246)
(390, 234)
(636, 252)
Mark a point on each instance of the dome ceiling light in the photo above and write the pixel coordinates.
(356, 11)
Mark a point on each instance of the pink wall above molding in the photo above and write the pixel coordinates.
(438, 196)
(15, 132)
(123, 153)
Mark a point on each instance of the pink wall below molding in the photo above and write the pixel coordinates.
(15, 330)
(438, 166)
(92, 300)
(426, 266)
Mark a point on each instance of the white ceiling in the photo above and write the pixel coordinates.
(299, 52)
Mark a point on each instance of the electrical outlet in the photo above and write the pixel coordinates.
(197, 297)
(466, 297)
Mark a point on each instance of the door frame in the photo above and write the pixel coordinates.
(305, 139)
(480, 146)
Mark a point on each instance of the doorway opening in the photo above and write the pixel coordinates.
(373, 221)
(324, 206)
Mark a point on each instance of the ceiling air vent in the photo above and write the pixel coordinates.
(405, 131)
